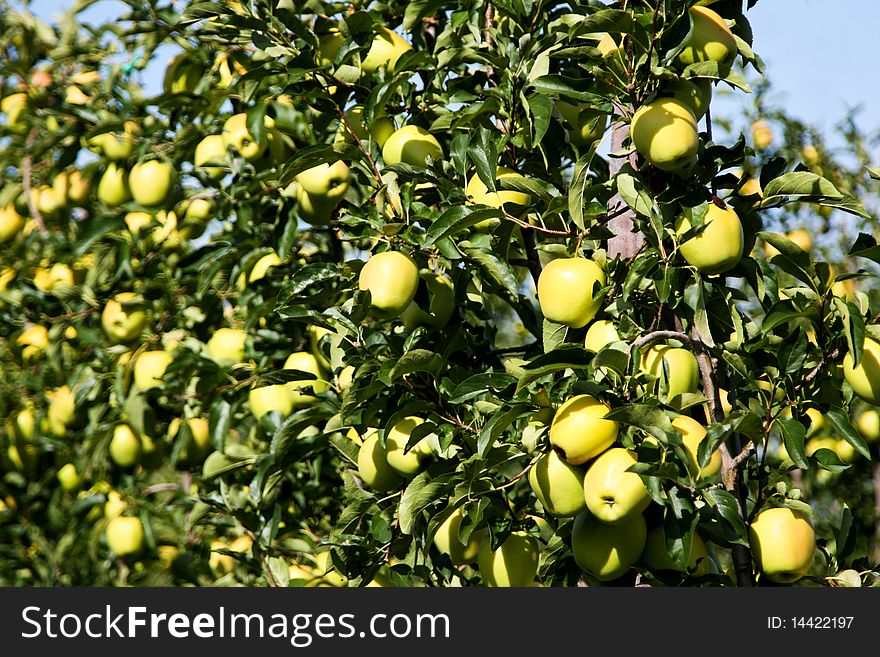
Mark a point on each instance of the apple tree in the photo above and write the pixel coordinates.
(427, 294)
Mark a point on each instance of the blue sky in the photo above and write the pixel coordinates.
(819, 54)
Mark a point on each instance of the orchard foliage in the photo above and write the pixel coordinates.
(243, 454)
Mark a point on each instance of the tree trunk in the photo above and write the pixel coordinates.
(626, 243)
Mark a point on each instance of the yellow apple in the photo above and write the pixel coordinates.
(150, 182)
(305, 361)
(711, 39)
(406, 463)
(34, 340)
(210, 156)
(675, 367)
(762, 134)
(607, 551)
(513, 564)
(692, 434)
(182, 75)
(136, 221)
(197, 210)
(566, 289)
(816, 419)
(865, 377)
(149, 368)
(588, 124)
(125, 535)
(373, 467)
(226, 346)
(199, 445)
(12, 106)
(259, 270)
(600, 334)
(412, 145)
(656, 555)
(719, 247)
(558, 485)
(11, 223)
(868, 424)
(61, 411)
(447, 541)
(124, 317)
(237, 137)
(751, 187)
(270, 398)
(115, 146)
(392, 278)
(580, 432)
(346, 377)
(385, 50)
(125, 446)
(58, 275)
(441, 303)
(380, 129)
(783, 543)
(664, 132)
(314, 210)
(113, 187)
(68, 477)
(696, 93)
(612, 494)
(510, 200)
(325, 183)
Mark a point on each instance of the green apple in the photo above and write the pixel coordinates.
(696, 93)
(149, 368)
(68, 477)
(124, 317)
(664, 132)
(392, 279)
(373, 467)
(441, 303)
(406, 463)
(566, 289)
(600, 334)
(199, 445)
(614, 495)
(783, 543)
(304, 361)
(115, 146)
(270, 398)
(314, 210)
(125, 446)
(329, 45)
(11, 223)
(237, 137)
(210, 156)
(510, 200)
(325, 183)
(380, 129)
(656, 555)
(513, 564)
(558, 485)
(226, 346)
(446, 539)
(588, 123)
(150, 182)
(868, 424)
(719, 247)
(579, 430)
(607, 551)
(864, 378)
(113, 187)
(412, 145)
(182, 75)
(711, 39)
(675, 367)
(692, 434)
(125, 535)
(385, 50)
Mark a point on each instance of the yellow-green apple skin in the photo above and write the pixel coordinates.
(762, 135)
(406, 463)
(656, 555)
(695, 93)
(868, 424)
(58, 275)
(607, 551)
(125, 535)
(558, 485)
(237, 137)
(510, 200)
(197, 210)
(314, 210)
(124, 317)
(385, 50)
(566, 288)
(113, 187)
(446, 540)
(226, 346)
(580, 432)
(783, 543)
(588, 124)
(11, 223)
(62, 408)
(600, 334)
(200, 438)
(865, 377)
(264, 399)
(693, 434)
(12, 106)
(149, 368)
(711, 39)
(392, 279)
(210, 156)
(304, 361)
(719, 247)
(676, 366)
(125, 446)
(441, 303)
(373, 466)
(412, 145)
(182, 75)
(150, 182)
(513, 564)
(614, 495)
(380, 129)
(326, 182)
(68, 477)
(259, 270)
(664, 132)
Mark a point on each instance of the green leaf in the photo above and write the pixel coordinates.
(829, 460)
(839, 419)
(561, 358)
(580, 186)
(725, 504)
(865, 247)
(809, 187)
(418, 495)
(494, 269)
(648, 418)
(793, 437)
(417, 360)
(476, 385)
(457, 219)
(635, 194)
